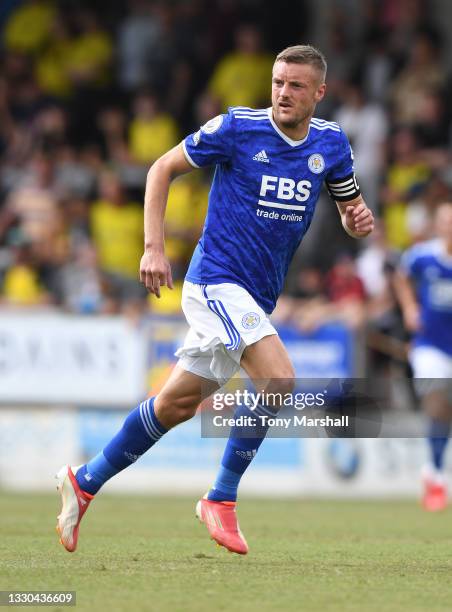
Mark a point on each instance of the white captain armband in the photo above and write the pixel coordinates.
(344, 189)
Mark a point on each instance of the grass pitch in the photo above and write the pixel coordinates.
(141, 553)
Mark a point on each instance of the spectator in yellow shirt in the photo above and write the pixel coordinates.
(117, 229)
(406, 174)
(91, 52)
(184, 218)
(69, 62)
(151, 131)
(21, 285)
(51, 65)
(241, 78)
(29, 26)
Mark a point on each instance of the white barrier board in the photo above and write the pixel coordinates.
(63, 358)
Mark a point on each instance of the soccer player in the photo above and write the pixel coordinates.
(271, 164)
(424, 287)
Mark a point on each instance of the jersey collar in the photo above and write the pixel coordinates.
(293, 143)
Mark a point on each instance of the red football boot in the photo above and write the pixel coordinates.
(221, 521)
(434, 497)
(75, 504)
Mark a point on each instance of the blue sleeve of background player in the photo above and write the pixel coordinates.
(211, 144)
(340, 180)
(410, 263)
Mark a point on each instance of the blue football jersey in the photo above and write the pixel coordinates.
(430, 268)
(263, 196)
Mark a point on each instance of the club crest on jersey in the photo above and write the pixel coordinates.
(213, 125)
(316, 163)
(250, 320)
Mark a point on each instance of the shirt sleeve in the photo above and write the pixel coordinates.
(341, 181)
(410, 263)
(211, 144)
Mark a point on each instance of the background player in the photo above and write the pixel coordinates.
(270, 168)
(425, 291)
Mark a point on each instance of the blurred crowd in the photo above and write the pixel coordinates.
(91, 95)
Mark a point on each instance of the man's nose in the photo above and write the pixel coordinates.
(284, 91)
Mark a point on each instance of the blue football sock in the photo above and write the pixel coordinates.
(438, 438)
(140, 431)
(239, 453)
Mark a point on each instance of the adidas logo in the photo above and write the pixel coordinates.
(247, 455)
(262, 157)
(131, 456)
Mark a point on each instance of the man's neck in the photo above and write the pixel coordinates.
(299, 132)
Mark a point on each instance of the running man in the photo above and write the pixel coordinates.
(270, 167)
(424, 287)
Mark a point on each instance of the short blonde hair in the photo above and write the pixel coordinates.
(304, 54)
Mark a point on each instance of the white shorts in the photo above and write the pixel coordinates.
(224, 319)
(432, 366)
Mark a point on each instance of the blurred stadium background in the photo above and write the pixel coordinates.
(91, 93)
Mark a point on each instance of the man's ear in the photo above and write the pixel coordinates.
(320, 92)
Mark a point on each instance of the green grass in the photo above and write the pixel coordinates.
(140, 553)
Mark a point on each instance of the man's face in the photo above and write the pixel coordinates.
(296, 89)
(443, 223)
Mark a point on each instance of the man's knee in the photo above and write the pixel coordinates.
(282, 379)
(283, 385)
(174, 410)
(276, 390)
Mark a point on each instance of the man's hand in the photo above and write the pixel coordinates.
(359, 220)
(155, 272)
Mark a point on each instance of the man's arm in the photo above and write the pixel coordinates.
(357, 219)
(155, 269)
(406, 296)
